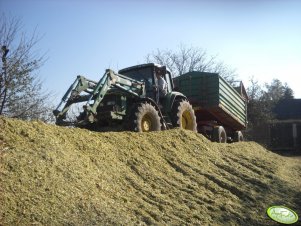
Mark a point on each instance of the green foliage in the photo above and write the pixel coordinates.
(262, 100)
(277, 91)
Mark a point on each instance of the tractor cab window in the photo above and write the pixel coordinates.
(142, 74)
(168, 80)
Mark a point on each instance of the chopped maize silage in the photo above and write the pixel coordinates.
(52, 175)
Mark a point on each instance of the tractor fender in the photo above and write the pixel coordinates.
(171, 98)
(151, 101)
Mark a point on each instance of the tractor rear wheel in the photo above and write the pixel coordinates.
(183, 115)
(144, 118)
(219, 135)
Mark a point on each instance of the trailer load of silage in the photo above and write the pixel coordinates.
(69, 176)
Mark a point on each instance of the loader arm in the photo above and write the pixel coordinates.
(81, 84)
(111, 79)
(95, 94)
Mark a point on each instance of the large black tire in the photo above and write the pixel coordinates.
(183, 115)
(219, 134)
(144, 118)
(238, 136)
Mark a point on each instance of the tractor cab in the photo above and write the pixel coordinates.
(147, 74)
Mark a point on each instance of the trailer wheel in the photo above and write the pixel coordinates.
(238, 136)
(144, 118)
(219, 134)
(183, 115)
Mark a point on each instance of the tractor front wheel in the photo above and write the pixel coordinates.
(144, 118)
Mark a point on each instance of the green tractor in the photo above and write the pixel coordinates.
(127, 100)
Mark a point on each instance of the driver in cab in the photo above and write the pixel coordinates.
(161, 83)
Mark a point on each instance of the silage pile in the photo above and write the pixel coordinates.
(52, 175)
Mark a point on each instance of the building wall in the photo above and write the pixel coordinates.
(259, 134)
(285, 135)
(278, 136)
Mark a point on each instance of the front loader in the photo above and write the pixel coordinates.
(127, 100)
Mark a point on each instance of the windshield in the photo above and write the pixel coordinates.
(140, 74)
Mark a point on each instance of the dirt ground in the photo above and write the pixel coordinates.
(51, 175)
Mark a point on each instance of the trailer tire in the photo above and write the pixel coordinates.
(144, 118)
(219, 134)
(183, 115)
(238, 136)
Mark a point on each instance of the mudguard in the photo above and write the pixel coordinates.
(171, 98)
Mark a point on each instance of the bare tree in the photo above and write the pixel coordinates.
(187, 59)
(254, 90)
(20, 88)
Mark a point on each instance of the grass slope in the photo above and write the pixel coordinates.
(51, 175)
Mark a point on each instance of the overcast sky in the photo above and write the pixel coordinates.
(260, 38)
